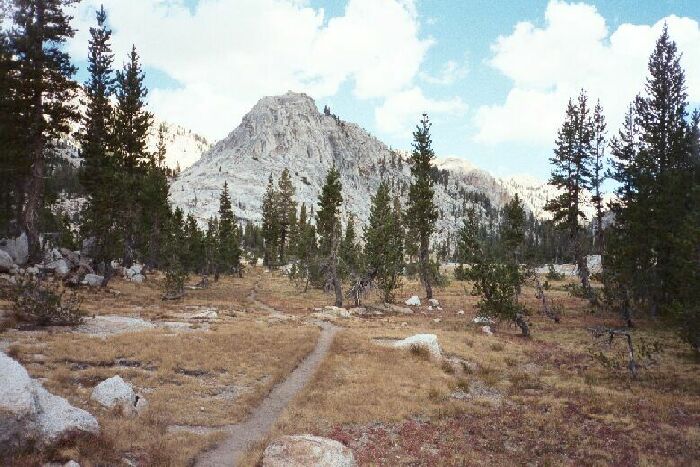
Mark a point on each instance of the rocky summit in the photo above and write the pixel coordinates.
(289, 131)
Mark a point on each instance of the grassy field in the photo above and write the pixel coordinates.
(494, 399)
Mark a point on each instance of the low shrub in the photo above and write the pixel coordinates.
(45, 303)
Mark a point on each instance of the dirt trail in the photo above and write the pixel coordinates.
(242, 435)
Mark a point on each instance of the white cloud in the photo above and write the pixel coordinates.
(575, 50)
(227, 54)
(450, 72)
(401, 112)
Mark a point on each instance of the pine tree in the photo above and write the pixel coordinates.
(44, 91)
(598, 173)
(422, 212)
(270, 224)
(306, 248)
(350, 253)
(131, 127)
(468, 247)
(153, 203)
(98, 174)
(328, 229)
(11, 160)
(384, 242)
(286, 212)
(194, 254)
(229, 252)
(571, 175)
(654, 246)
(512, 230)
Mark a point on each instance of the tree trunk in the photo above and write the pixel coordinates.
(334, 270)
(424, 259)
(522, 324)
(34, 194)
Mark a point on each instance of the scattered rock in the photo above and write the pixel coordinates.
(404, 324)
(460, 312)
(206, 314)
(114, 392)
(437, 320)
(427, 341)
(482, 320)
(6, 262)
(17, 248)
(30, 415)
(413, 301)
(92, 280)
(487, 330)
(430, 308)
(106, 325)
(137, 278)
(337, 311)
(59, 267)
(433, 302)
(307, 450)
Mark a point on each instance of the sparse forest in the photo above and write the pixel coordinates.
(135, 331)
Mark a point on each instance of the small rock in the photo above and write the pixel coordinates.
(460, 312)
(433, 302)
(137, 278)
(427, 341)
(437, 320)
(430, 308)
(404, 324)
(92, 280)
(482, 320)
(307, 450)
(206, 314)
(413, 301)
(487, 330)
(6, 263)
(114, 391)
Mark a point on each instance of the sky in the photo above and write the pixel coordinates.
(494, 76)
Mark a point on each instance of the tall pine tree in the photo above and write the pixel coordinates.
(422, 212)
(328, 229)
(44, 91)
(571, 175)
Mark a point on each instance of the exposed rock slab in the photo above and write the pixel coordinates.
(307, 450)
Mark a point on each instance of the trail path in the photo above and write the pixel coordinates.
(242, 435)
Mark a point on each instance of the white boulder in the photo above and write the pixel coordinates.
(30, 415)
(17, 248)
(307, 450)
(6, 263)
(138, 278)
(427, 341)
(59, 266)
(206, 314)
(413, 301)
(114, 392)
(92, 280)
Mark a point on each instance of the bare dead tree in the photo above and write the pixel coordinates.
(610, 334)
(361, 287)
(547, 309)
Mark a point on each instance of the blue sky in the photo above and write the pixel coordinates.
(495, 102)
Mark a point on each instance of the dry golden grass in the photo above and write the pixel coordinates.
(209, 376)
(553, 403)
(560, 405)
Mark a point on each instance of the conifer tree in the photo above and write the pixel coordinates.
(229, 253)
(43, 95)
(384, 242)
(306, 247)
(654, 246)
(422, 212)
(11, 160)
(598, 173)
(512, 229)
(328, 229)
(194, 253)
(286, 212)
(467, 245)
(98, 173)
(154, 206)
(350, 254)
(131, 127)
(270, 224)
(571, 175)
